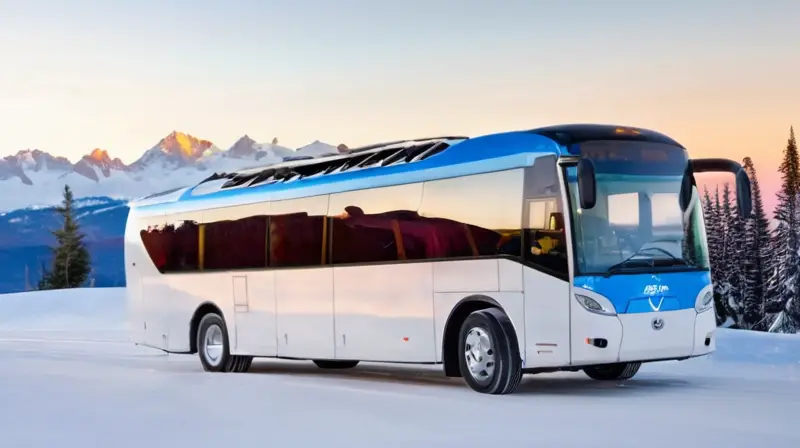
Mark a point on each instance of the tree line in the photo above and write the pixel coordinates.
(755, 266)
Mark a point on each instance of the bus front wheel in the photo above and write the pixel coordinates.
(489, 357)
(214, 348)
(613, 372)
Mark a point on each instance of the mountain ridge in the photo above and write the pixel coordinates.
(176, 160)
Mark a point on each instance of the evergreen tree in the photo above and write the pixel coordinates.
(782, 288)
(732, 255)
(711, 213)
(756, 262)
(71, 262)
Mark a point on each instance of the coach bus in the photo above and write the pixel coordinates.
(570, 247)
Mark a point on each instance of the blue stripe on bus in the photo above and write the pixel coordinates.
(632, 293)
(484, 154)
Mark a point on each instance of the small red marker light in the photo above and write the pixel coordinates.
(405, 339)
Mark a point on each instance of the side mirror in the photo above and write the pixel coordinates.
(687, 182)
(587, 184)
(744, 201)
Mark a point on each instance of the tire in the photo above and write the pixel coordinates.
(214, 349)
(613, 372)
(488, 347)
(331, 364)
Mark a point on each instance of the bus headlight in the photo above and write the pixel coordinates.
(594, 306)
(705, 301)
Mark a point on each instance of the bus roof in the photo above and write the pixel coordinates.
(386, 164)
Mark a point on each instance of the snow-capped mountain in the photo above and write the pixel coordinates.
(177, 160)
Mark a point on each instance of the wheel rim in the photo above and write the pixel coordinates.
(479, 354)
(213, 344)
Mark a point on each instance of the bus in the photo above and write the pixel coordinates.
(576, 247)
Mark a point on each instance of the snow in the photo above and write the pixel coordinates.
(71, 378)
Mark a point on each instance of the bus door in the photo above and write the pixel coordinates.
(546, 273)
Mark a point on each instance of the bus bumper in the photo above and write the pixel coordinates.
(642, 336)
(666, 335)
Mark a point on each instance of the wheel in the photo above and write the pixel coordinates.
(489, 352)
(214, 348)
(613, 372)
(331, 364)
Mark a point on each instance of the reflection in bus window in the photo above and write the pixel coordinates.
(239, 244)
(456, 218)
(296, 240)
(173, 247)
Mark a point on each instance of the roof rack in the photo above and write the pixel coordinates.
(303, 167)
(397, 142)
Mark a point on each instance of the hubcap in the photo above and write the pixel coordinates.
(213, 344)
(479, 353)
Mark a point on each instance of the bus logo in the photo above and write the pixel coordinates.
(651, 290)
(653, 306)
(657, 323)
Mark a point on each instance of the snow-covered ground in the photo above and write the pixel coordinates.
(69, 378)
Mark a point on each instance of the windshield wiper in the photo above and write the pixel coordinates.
(651, 262)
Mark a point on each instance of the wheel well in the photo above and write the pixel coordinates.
(453, 327)
(202, 310)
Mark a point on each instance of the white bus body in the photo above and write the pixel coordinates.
(281, 270)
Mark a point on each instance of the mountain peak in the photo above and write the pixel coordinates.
(183, 144)
(243, 147)
(176, 149)
(37, 160)
(99, 154)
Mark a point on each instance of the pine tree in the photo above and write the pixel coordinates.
(732, 254)
(756, 262)
(71, 262)
(714, 234)
(782, 287)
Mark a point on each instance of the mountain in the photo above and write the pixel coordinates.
(179, 159)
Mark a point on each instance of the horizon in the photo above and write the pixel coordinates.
(121, 76)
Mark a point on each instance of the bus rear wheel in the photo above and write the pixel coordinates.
(489, 358)
(214, 348)
(613, 372)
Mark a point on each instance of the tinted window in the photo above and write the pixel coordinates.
(545, 238)
(238, 244)
(173, 247)
(467, 216)
(235, 237)
(515, 213)
(366, 224)
(297, 232)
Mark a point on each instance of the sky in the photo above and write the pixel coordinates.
(721, 77)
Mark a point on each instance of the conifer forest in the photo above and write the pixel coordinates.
(755, 262)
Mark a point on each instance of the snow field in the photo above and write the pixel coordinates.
(71, 378)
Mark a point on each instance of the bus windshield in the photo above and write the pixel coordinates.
(637, 224)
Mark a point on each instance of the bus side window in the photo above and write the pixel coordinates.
(544, 242)
(472, 216)
(296, 240)
(367, 226)
(236, 244)
(179, 243)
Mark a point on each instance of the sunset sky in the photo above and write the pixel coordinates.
(721, 77)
